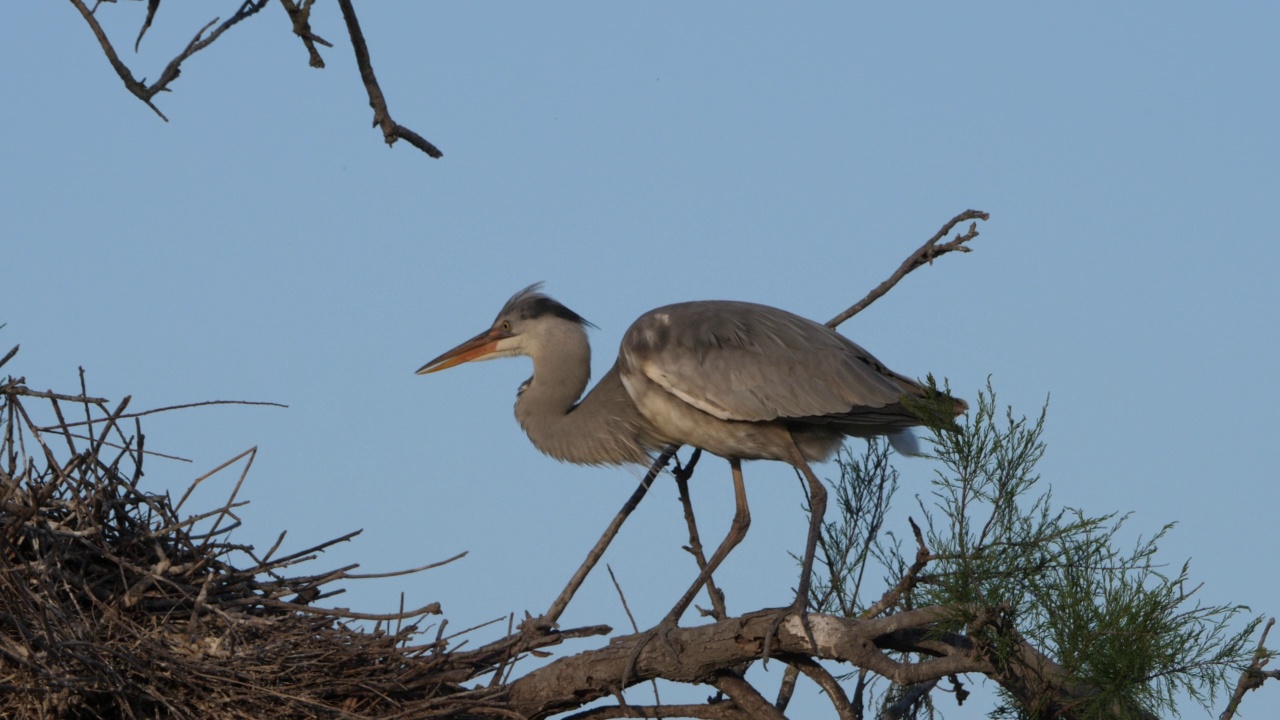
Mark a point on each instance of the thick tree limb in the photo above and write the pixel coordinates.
(705, 650)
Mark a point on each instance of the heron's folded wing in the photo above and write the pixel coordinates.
(741, 361)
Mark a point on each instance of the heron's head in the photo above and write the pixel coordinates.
(528, 322)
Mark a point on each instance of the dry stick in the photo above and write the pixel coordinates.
(682, 476)
(253, 453)
(925, 254)
(152, 411)
(429, 609)
(135, 87)
(9, 355)
(397, 573)
(191, 488)
(909, 579)
(71, 442)
(114, 446)
(626, 608)
(171, 71)
(391, 131)
(108, 424)
(657, 699)
(301, 19)
(557, 608)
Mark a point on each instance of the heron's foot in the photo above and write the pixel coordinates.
(662, 631)
(800, 609)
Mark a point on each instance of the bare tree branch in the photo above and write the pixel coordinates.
(171, 71)
(926, 254)
(561, 602)
(300, 16)
(152, 7)
(909, 579)
(299, 12)
(682, 476)
(391, 130)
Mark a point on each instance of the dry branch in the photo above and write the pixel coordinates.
(391, 130)
(299, 12)
(141, 89)
(925, 255)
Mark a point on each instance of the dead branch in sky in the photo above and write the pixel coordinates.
(299, 14)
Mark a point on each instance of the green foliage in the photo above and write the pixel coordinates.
(1015, 570)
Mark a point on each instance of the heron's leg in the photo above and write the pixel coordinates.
(817, 511)
(737, 531)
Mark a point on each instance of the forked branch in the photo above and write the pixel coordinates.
(141, 89)
(299, 12)
(925, 255)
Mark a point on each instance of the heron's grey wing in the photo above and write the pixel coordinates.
(741, 361)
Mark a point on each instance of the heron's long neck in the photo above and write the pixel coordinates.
(601, 430)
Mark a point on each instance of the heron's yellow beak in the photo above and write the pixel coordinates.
(486, 343)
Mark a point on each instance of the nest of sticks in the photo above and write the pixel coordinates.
(116, 604)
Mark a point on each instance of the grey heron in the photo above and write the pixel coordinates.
(739, 380)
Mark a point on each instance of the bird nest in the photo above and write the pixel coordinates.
(116, 604)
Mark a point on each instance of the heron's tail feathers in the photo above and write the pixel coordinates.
(905, 443)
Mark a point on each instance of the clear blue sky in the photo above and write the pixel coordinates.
(266, 245)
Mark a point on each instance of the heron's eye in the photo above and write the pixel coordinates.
(506, 326)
